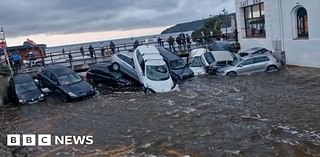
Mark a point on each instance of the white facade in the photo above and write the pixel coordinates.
(281, 30)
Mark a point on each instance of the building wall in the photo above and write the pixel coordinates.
(302, 52)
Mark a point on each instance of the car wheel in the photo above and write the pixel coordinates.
(232, 74)
(115, 67)
(272, 68)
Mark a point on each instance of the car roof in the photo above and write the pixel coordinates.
(255, 56)
(168, 55)
(251, 50)
(198, 52)
(155, 62)
(222, 55)
(59, 70)
(22, 78)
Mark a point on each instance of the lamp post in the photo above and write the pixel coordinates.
(225, 13)
(4, 47)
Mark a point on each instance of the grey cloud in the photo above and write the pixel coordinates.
(26, 17)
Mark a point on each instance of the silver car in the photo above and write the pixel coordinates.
(254, 51)
(123, 62)
(251, 64)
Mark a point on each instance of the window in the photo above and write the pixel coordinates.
(247, 62)
(302, 23)
(126, 59)
(254, 20)
(261, 59)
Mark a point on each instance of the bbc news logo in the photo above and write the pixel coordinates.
(47, 140)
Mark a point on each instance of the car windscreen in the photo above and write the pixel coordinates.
(236, 62)
(68, 79)
(157, 72)
(25, 87)
(196, 62)
(209, 57)
(177, 64)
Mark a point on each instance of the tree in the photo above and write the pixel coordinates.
(212, 24)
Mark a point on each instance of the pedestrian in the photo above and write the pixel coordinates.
(82, 51)
(183, 40)
(188, 40)
(91, 51)
(112, 46)
(102, 49)
(30, 57)
(171, 43)
(63, 52)
(16, 58)
(160, 42)
(70, 58)
(135, 44)
(178, 41)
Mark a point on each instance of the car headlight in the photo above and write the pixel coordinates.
(72, 94)
(41, 95)
(22, 101)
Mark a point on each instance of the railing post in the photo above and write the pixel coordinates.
(51, 58)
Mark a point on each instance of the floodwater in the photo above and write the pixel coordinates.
(269, 114)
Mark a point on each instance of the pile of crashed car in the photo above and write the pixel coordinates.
(155, 69)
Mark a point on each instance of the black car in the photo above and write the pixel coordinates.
(65, 82)
(178, 68)
(23, 90)
(103, 73)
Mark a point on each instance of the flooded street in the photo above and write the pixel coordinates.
(275, 114)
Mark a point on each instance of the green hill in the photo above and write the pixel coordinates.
(184, 27)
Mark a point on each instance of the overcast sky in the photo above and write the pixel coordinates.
(25, 18)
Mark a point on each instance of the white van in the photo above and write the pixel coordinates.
(152, 70)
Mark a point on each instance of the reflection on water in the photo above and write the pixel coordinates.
(273, 114)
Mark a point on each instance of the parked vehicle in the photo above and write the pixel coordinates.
(196, 62)
(103, 73)
(254, 51)
(152, 71)
(203, 61)
(123, 62)
(23, 90)
(65, 82)
(177, 66)
(251, 64)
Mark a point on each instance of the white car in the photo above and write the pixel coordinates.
(196, 62)
(152, 70)
(203, 60)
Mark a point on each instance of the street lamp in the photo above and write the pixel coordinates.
(3, 45)
(225, 13)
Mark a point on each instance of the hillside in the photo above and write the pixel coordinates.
(183, 27)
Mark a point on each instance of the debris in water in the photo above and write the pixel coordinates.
(234, 152)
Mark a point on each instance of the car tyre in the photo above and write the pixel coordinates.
(115, 67)
(272, 68)
(231, 74)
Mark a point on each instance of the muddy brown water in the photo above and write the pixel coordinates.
(269, 114)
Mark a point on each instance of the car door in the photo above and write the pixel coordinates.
(246, 66)
(45, 79)
(260, 63)
(129, 69)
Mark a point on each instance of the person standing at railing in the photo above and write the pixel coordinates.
(102, 49)
(112, 46)
(135, 44)
(188, 40)
(63, 52)
(82, 51)
(30, 58)
(171, 43)
(16, 61)
(91, 51)
(183, 40)
(70, 58)
(178, 41)
(160, 42)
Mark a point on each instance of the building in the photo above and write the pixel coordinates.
(291, 26)
(38, 50)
